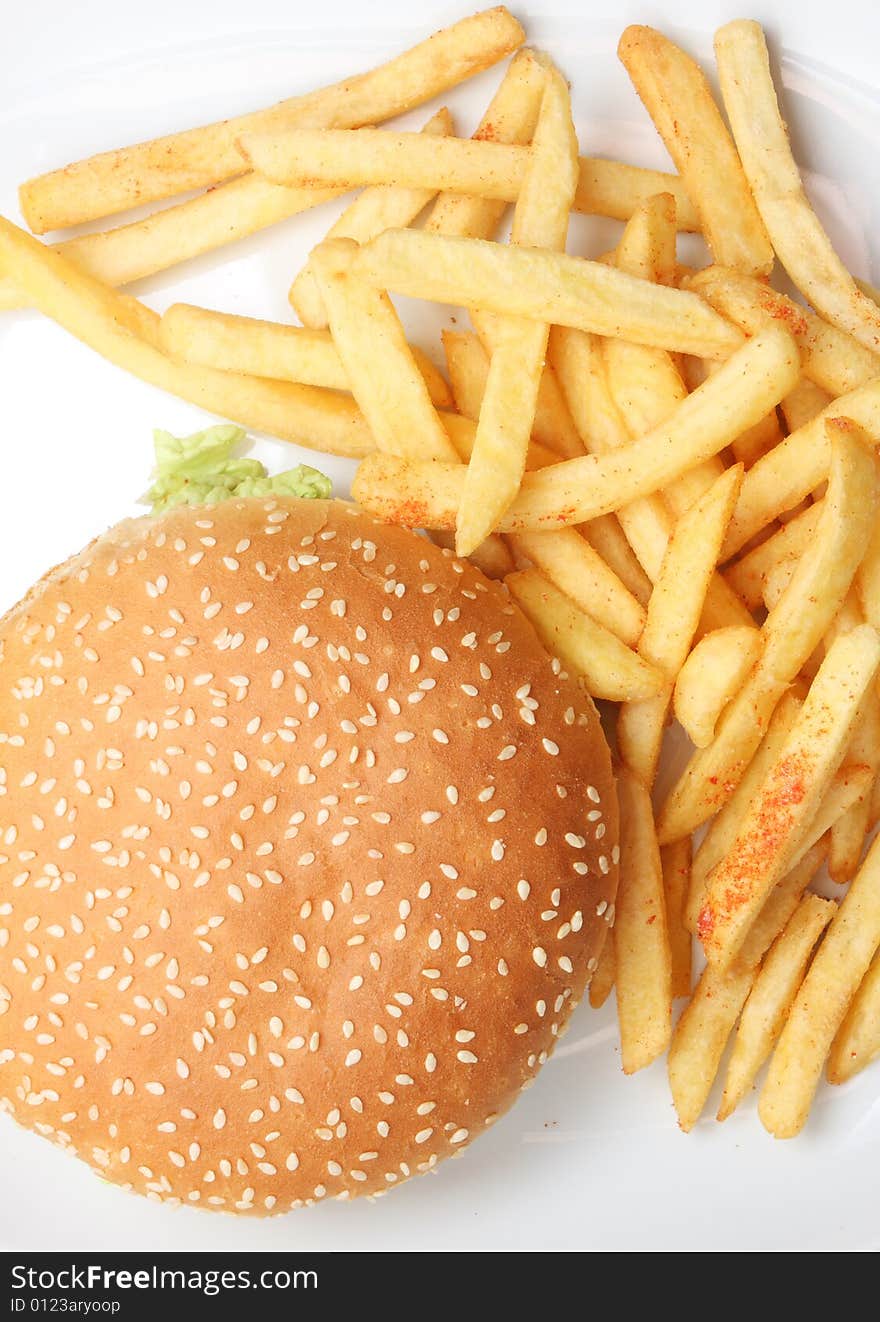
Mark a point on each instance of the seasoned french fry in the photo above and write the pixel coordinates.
(712, 674)
(605, 665)
(643, 973)
(804, 248)
(772, 996)
(822, 1002)
(790, 634)
(544, 286)
(849, 831)
(569, 561)
(676, 864)
(708, 1019)
(382, 372)
(321, 420)
(581, 489)
(796, 467)
(198, 158)
(790, 795)
(372, 211)
(870, 291)
(602, 981)
(724, 826)
(858, 1040)
(677, 96)
(830, 357)
(801, 405)
(673, 615)
(748, 575)
(606, 536)
(269, 348)
(507, 412)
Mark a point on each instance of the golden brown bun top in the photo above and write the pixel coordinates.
(306, 852)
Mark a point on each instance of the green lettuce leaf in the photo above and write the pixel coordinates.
(202, 470)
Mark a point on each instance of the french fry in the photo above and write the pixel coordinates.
(772, 996)
(831, 358)
(507, 412)
(462, 432)
(368, 157)
(384, 378)
(581, 489)
(579, 364)
(675, 861)
(748, 575)
(677, 96)
(605, 665)
(858, 1040)
(568, 560)
(708, 1019)
(673, 616)
(821, 1004)
(269, 348)
(790, 795)
(606, 536)
(644, 382)
(372, 211)
(610, 188)
(712, 674)
(199, 158)
(553, 425)
(510, 119)
(467, 365)
(544, 286)
(643, 972)
(868, 579)
(796, 467)
(602, 981)
(801, 243)
(790, 634)
(756, 441)
(176, 234)
(319, 420)
(801, 405)
(493, 171)
(492, 556)
(870, 291)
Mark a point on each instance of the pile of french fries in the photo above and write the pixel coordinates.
(673, 469)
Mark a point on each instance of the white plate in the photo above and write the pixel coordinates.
(587, 1159)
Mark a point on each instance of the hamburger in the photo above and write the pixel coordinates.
(308, 852)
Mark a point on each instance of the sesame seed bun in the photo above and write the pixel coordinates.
(307, 849)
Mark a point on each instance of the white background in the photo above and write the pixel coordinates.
(588, 1159)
